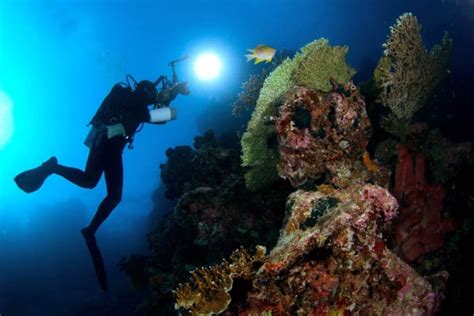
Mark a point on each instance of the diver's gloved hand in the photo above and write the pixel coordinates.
(162, 115)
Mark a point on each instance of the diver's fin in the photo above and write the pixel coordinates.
(96, 257)
(31, 180)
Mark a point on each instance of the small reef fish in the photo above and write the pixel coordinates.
(261, 53)
(369, 163)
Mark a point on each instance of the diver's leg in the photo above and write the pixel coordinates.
(113, 170)
(85, 179)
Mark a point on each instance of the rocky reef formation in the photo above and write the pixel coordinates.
(314, 67)
(215, 213)
(207, 165)
(342, 249)
(323, 137)
(359, 235)
(331, 259)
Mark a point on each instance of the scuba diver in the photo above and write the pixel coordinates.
(121, 114)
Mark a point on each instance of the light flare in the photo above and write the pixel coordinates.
(207, 66)
(6, 119)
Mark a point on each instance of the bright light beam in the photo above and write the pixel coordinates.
(6, 119)
(207, 66)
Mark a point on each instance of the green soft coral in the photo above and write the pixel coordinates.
(408, 74)
(319, 62)
(314, 67)
(260, 159)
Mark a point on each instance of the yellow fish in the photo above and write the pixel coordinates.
(261, 53)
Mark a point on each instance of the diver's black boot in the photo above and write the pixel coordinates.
(31, 180)
(96, 256)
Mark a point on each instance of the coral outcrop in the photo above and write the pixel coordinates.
(179, 158)
(218, 222)
(323, 134)
(421, 227)
(314, 67)
(347, 245)
(215, 213)
(205, 165)
(408, 74)
(341, 264)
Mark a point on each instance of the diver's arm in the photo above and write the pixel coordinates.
(162, 115)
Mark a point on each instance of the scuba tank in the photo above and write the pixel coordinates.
(109, 114)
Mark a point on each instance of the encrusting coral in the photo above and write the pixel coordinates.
(323, 133)
(314, 67)
(408, 74)
(208, 291)
(340, 264)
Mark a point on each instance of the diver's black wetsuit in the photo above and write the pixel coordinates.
(106, 157)
(114, 124)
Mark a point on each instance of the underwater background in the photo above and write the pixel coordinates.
(60, 58)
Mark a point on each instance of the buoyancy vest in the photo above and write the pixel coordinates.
(112, 108)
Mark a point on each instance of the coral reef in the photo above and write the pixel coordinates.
(420, 227)
(179, 158)
(207, 292)
(214, 215)
(323, 134)
(250, 89)
(444, 157)
(341, 265)
(314, 66)
(205, 165)
(220, 223)
(215, 209)
(347, 245)
(249, 95)
(408, 74)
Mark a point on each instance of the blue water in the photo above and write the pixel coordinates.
(59, 59)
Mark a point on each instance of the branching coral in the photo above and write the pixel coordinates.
(250, 91)
(247, 98)
(408, 74)
(208, 291)
(314, 67)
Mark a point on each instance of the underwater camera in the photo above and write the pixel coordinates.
(169, 89)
